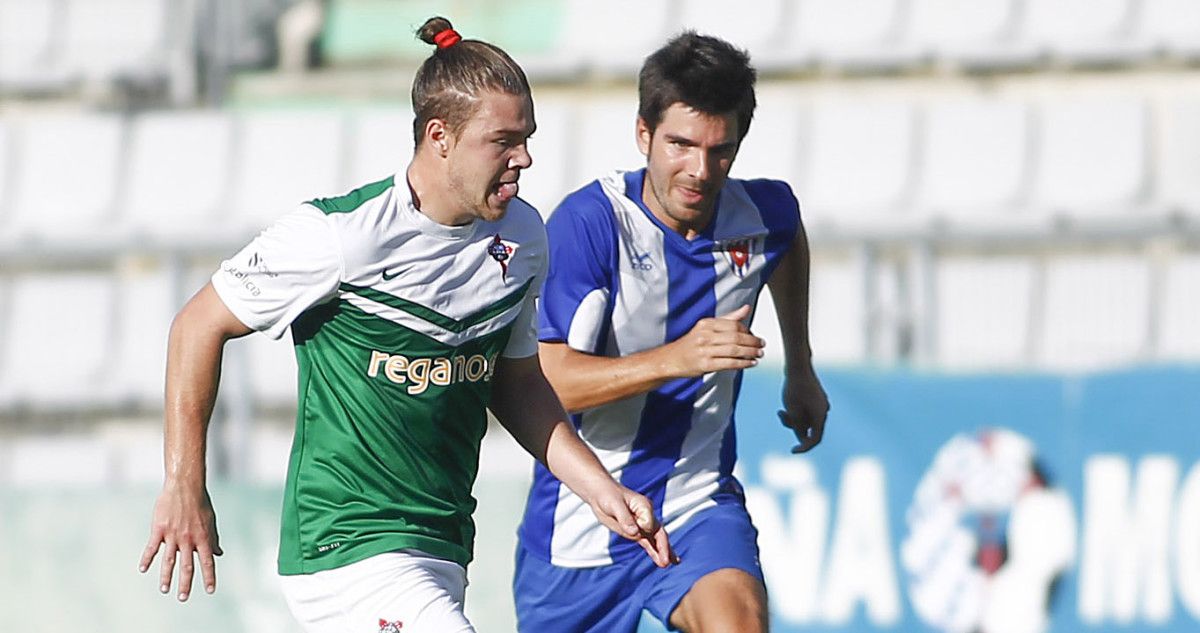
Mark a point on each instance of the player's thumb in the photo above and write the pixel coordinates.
(737, 315)
(643, 513)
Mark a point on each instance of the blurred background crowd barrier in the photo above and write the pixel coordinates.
(1003, 201)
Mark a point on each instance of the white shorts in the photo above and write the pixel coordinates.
(397, 592)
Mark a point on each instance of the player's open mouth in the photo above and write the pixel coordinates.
(691, 196)
(507, 191)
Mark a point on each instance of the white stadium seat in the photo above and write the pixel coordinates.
(1170, 26)
(58, 462)
(982, 320)
(760, 32)
(849, 33)
(27, 30)
(977, 33)
(109, 38)
(777, 142)
(285, 158)
(1093, 156)
(1178, 156)
(1083, 30)
(272, 366)
(1096, 312)
(838, 318)
(1179, 311)
(859, 169)
(66, 176)
(180, 168)
(57, 351)
(975, 159)
(545, 184)
(608, 141)
(148, 301)
(607, 39)
(7, 164)
(381, 144)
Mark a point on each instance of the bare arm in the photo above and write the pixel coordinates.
(804, 400)
(585, 380)
(184, 522)
(524, 403)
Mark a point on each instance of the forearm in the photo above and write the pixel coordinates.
(194, 351)
(583, 381)
(528, 408)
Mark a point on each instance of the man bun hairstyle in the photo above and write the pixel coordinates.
(702, 72)
(448, 83)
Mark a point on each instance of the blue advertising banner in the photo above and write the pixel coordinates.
(1005, 503)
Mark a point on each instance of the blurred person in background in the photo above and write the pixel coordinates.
(644, 334)
(411, 303)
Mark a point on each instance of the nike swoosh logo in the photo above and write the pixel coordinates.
(387, 277)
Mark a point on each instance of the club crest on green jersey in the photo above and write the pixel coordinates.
(501, 252)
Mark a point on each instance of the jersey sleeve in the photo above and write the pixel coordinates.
(291, 266)
(576, 299)
(523, 340)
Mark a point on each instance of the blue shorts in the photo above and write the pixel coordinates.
(610, 599)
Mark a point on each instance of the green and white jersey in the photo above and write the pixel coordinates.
(398, 322)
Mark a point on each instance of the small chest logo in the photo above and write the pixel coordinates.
(500, 252)
(640, 262)
(737, 253)
(390, 627)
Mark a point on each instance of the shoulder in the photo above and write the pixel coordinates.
(355, 200)
(775, 200)
(522, 221)
(588, 206)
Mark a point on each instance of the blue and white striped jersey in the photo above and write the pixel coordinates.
(621, 282)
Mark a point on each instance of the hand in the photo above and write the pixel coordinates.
(716, 344)
(184, 523)
(805, 408)
(632, 516)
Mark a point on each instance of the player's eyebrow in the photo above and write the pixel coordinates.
(675, 138)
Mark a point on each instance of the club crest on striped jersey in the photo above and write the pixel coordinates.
(501, 251)
(737, 253)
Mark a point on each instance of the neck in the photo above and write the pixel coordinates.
(431, 191)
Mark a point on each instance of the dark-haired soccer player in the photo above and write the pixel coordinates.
(644, 314)
(411, 302)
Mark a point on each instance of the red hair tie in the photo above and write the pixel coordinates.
(446, 38)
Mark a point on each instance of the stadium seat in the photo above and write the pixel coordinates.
(859, 169)
(608, 141)
(381, 144)
(778, 137)
(1178, 157)
(1095, 312)
(109, 39)
(1179, 311)
(982, 314)
(838, 318)
(284, 159)
(82, 149)
(603, 38)
(545, 184)
(179, 174)
(1093, 157)
(27, 31)
(57, 350)
(974, 160)
(272, 365)
(760, 32)
(980, 33)
(1083, 31)
(1171, 27)
(58, 462)
(7, 165)
(849, 34)
(148, 300)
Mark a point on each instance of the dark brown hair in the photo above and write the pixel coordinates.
(702, 72)
(448, 82)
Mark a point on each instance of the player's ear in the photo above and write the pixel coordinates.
(437, 136)
(644, 135)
